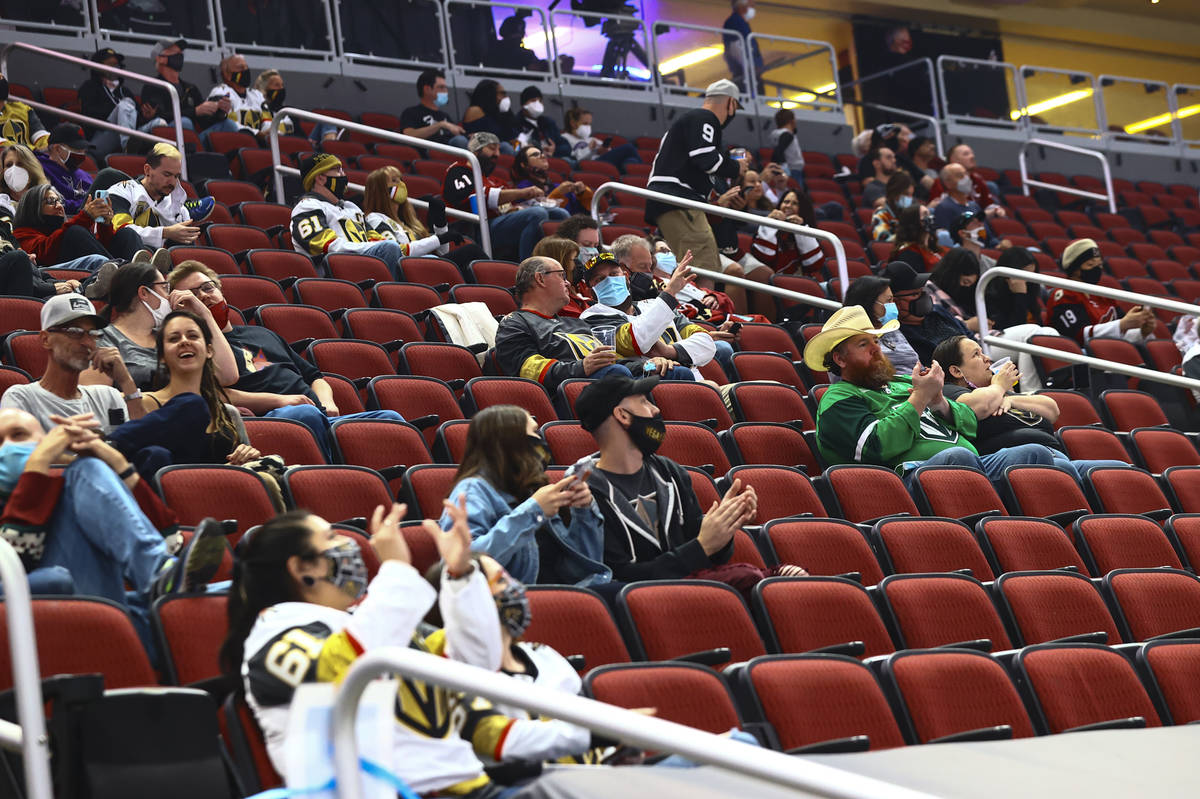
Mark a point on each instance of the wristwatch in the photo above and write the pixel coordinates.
(136, 395)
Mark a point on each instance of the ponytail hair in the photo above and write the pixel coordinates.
(261, 579)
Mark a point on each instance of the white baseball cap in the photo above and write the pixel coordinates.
(63, 308)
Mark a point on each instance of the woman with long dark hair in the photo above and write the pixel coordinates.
(953, 285)
(185, 358)
(531, 168)
(914, 231)
(295, 580)
(517, 515)
(789, 252)
(489, 112)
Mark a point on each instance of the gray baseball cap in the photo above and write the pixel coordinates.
(723, 88)
(63, 308)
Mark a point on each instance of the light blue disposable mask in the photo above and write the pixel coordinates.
(666, 262)
(904, 201)
(890, 312)
(443, 98)
(612, 291)
(13, 457)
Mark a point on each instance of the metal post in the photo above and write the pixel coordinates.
(485, 235)
(740, 216)
(83, 62)
(27, 678)
(987, 339)
(619, 723)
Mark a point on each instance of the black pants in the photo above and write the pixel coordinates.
(20, 278)
(463, 254)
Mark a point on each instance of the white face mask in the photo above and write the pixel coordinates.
(112, 85)
(965, 186)
(584, 131)
(17, 177)
(535, 108)
(505, 104)
(159, 313)
(749, 15)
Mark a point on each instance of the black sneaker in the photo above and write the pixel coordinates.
(199, 209)
(198, 562)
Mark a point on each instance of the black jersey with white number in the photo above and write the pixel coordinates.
(690, 155)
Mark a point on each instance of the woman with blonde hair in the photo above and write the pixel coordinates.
(22, 171)
(390, 214)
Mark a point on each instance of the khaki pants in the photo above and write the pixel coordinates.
(685, 230)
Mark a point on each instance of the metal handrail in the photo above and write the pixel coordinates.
(1026, 182)
(933, 92)
(279, 170)
(931, 121)
(767, 288)
(1152, 375)
(83, 62)
(723, 33)
(30, 737)
(615, 722)
(729, 213)
(818, 46)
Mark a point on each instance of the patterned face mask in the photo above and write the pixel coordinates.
(349, 572)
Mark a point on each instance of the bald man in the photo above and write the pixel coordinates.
(97, 520)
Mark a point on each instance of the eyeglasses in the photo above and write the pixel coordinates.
(77, 333)
(553, 272)
(52, 200)
(158, 283)
(206, 288)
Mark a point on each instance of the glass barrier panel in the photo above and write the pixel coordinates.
(1137, 110)
(980, 91)
(797, 73)
(1059, 101)
(608, 48)
(500, 38)
(398, 30)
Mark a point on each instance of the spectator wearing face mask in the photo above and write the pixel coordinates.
(61, 160)
(536, 127)
(1083, 316)
(537, 530)
(970, 233)
(577, 132)
(735, 52)
(956, 197)
(22, 171)
(952, 285)
(897, 197)
(196, 112)
(490, 112)
(874, 295)
(426, 119)
(271, 86)
(105, 96)
(656, 328)
(512, 227)
(531, 167)
(914, 233)
(324, 222)
(248, 111)
(19, 123)
(71, 241)
(391, 215)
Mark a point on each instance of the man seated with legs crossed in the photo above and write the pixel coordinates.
(874, 417)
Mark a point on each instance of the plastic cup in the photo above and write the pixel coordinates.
(606, 335)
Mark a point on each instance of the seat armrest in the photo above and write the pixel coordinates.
(980, 644)
(1001, 732)
(855, 743)
(708, 657)
(851, 648)
(1131, 723)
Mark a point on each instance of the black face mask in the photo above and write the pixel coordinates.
(921, 306)
(486, 163)
(240, 78)
(927, 224)
(337, 185)
(540, 449)
(641, 287)
(3, 90)
(53, 221)
(73, 161)
(647, 432)
(1091, 275)
(175, 61)
(275, 98)
(729, 119)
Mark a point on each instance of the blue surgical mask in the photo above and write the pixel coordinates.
(666, 262)
(904, 201)
(13, 457)
(443, 98)
(890, 312)
(612, 291)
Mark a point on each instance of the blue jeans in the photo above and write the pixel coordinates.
(389, 252)
(45, 580)
(315, 420)
(100, 535)
(522, 229)
(619, 369)
(992, 465)
(1081, 468)
(621, 155)
(679, 373)
(89, 263)
(224, 126)
(724, 354)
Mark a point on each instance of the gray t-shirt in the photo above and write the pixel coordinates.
(41, 403)
(141, 362)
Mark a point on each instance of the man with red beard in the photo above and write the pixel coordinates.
(874, 417)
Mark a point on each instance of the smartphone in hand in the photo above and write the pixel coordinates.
(581, 469)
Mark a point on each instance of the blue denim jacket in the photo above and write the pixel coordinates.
(508, 534)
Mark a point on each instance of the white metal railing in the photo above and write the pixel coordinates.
(100, 123)
(615, 722)
(28, 736)
(744, 54)
(628, 82)
(986, 339)
(730, 213)
(818, 47)
(1073, 76)
(452, 62)
(1026, 182)
(980, 64)
(279, 170)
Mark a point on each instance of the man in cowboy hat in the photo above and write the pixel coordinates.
(874, 417)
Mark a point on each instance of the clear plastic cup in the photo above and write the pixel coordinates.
(606, 335)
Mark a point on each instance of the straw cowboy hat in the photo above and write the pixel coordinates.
(845, 323)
